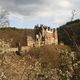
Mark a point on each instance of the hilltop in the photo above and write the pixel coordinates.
(66, 32)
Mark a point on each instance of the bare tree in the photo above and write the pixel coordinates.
(4, 18)
(74, 13)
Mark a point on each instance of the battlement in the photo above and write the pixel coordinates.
(43, 35)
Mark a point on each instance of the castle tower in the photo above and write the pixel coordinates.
(43, 32)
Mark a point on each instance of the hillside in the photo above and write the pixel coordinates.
(14, 35)
(50, 62)
(38, 64)
(70, 32)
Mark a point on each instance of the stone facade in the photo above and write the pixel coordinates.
(30, 41)
(50, 36)
(42, 36)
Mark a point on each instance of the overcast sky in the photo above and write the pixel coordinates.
(27, 13)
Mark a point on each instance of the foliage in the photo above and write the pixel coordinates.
(70, 30)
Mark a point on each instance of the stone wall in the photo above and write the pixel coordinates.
(30, 41)
(42, 37)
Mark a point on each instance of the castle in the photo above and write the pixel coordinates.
(43, 36)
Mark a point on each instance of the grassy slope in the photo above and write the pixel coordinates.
(15, 34)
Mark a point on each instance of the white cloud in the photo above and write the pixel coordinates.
(65, 3)
(59, 11)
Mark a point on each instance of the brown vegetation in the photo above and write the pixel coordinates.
(14, 35)
(34, 63)
(48, 54)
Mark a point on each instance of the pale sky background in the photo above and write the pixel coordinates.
(27, 13)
